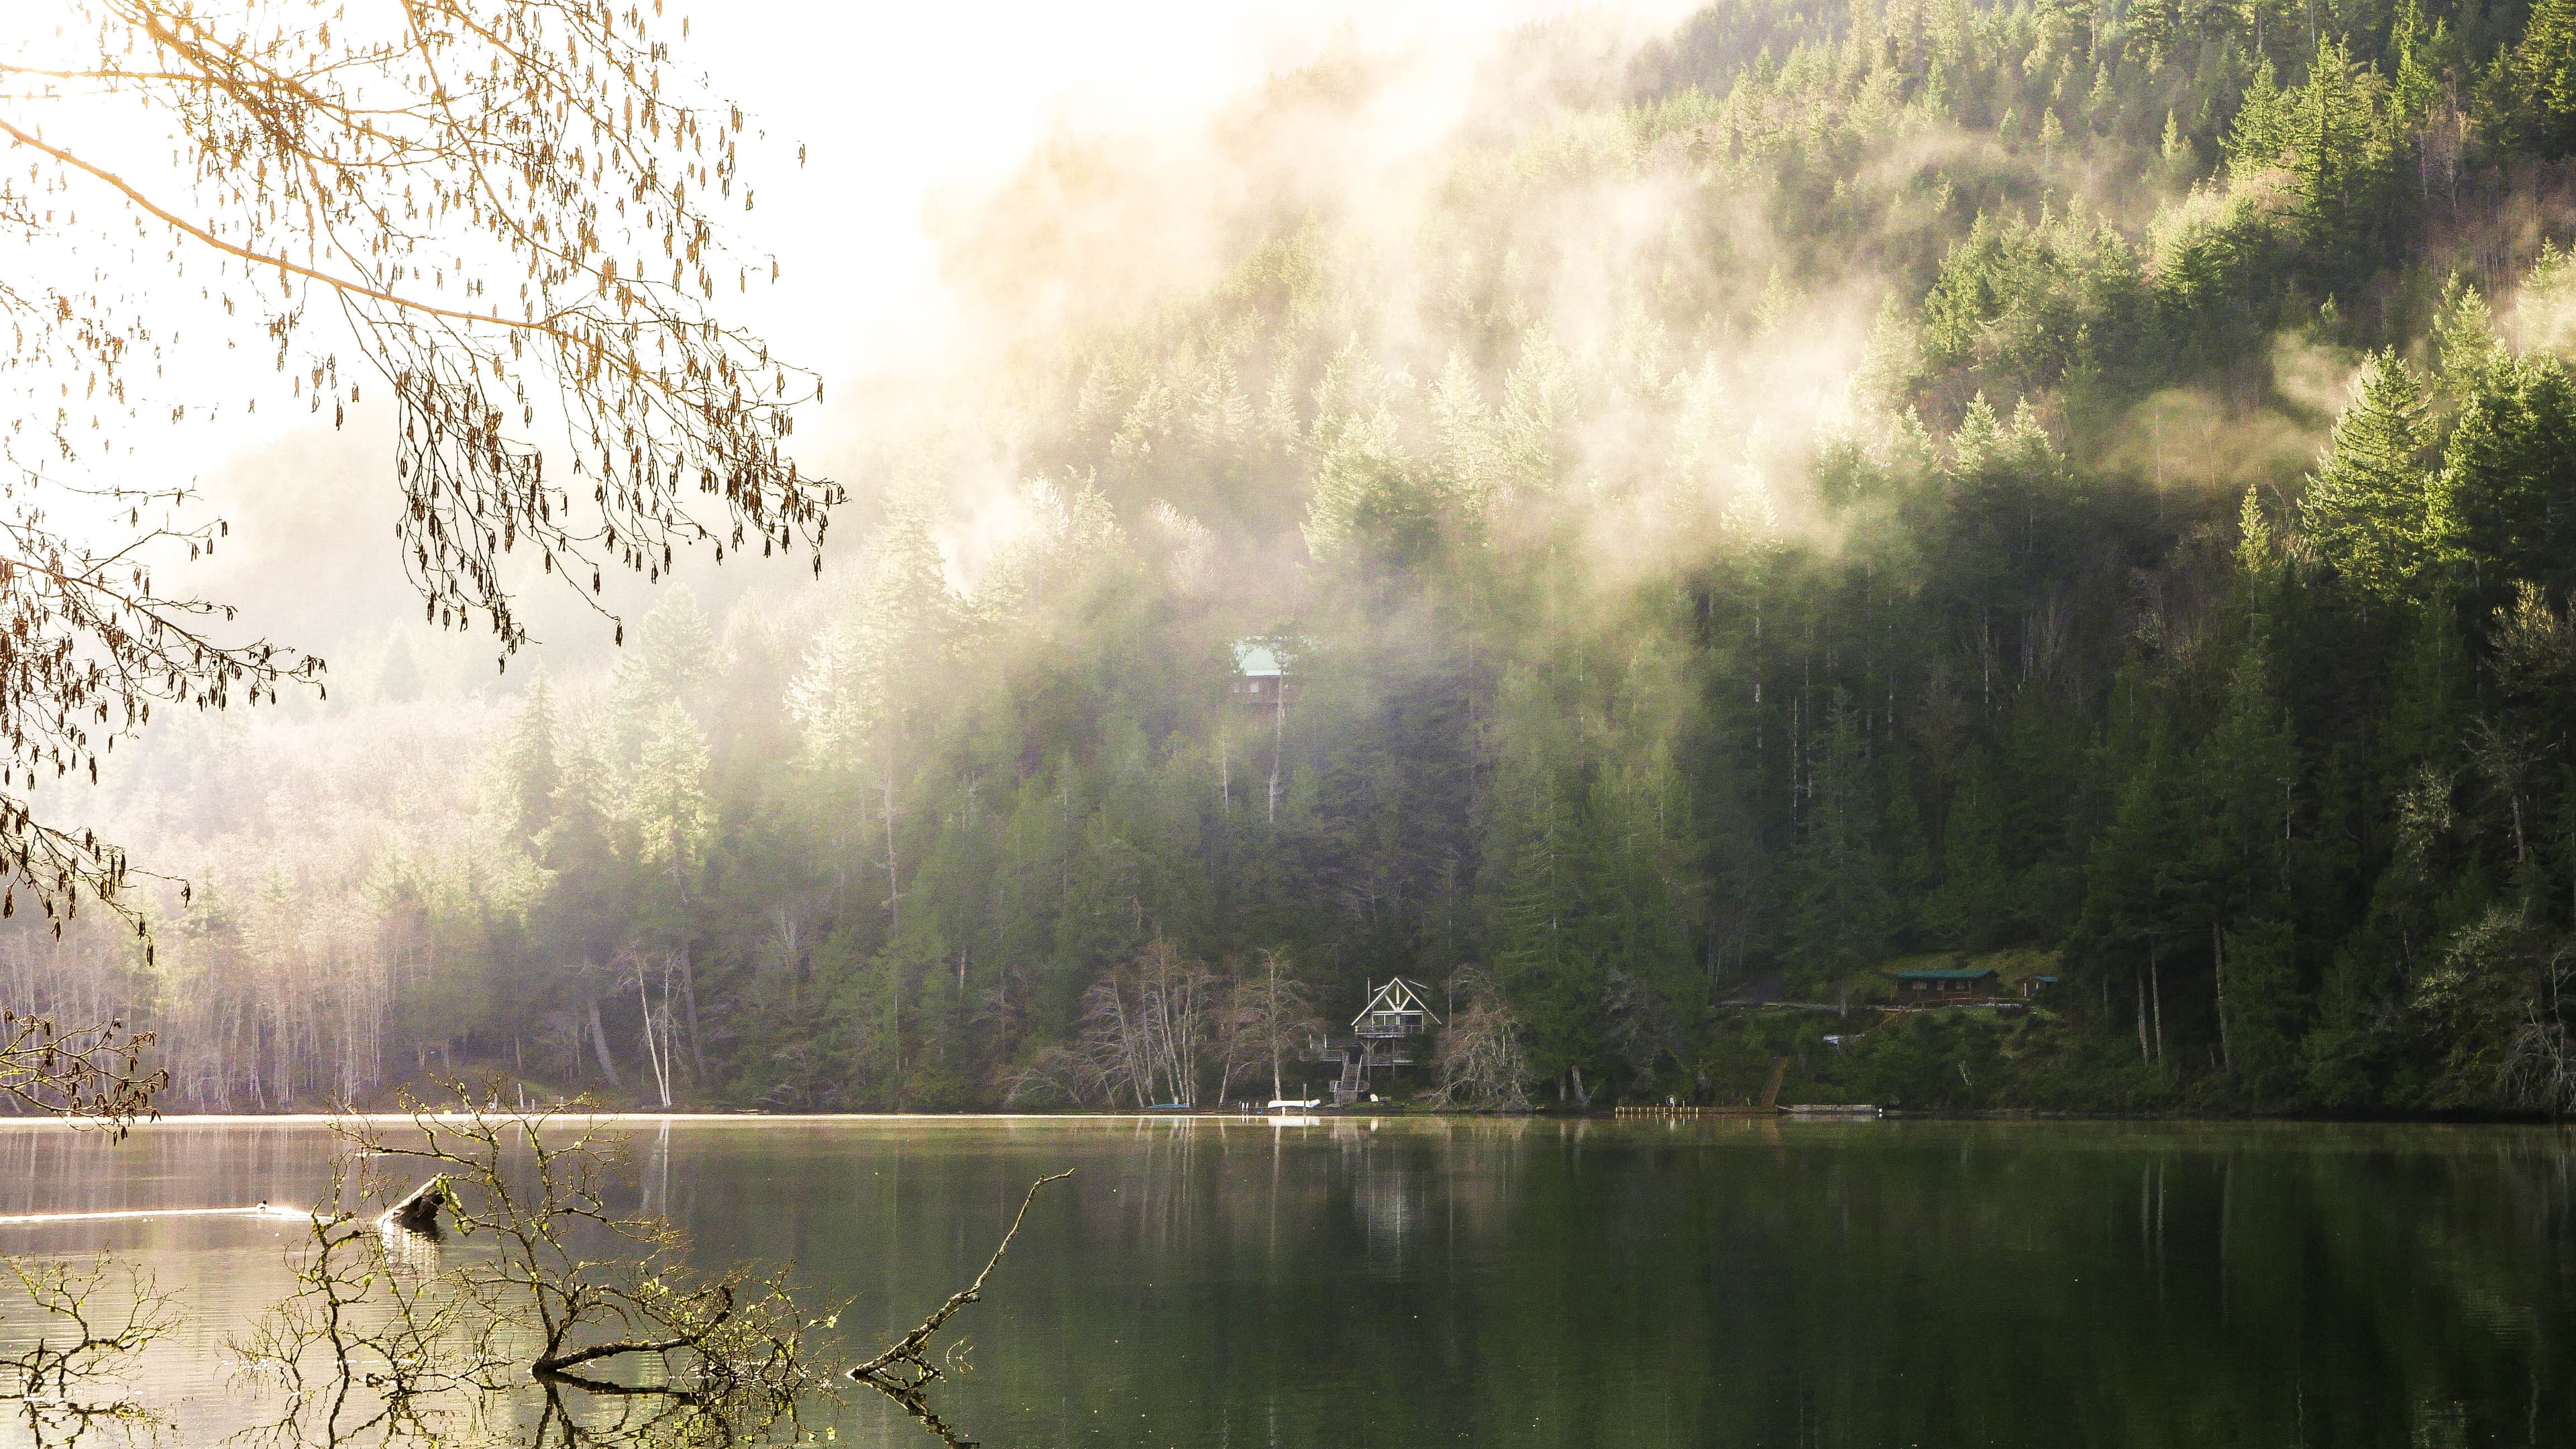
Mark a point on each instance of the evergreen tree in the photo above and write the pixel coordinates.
(529, 760)
(2369, 509)
(2543, 71)
(1841, 916)
(2508, 484)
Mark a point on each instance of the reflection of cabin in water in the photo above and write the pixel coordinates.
(1917, 988)
(1261, 678)
(1392, 1030)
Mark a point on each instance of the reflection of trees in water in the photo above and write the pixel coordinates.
(1756, 1281)
(73, 1336)
(2326, 1282)
(44, 1169)
(1713, 1281)
(1159, 1196)
(2480, 1263)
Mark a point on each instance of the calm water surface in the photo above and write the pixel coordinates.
(1412, 1282)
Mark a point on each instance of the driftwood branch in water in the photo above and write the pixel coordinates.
(560, 1270)
(911, 1402)
(556, 1364)
(902, 1367)
(418, 1210)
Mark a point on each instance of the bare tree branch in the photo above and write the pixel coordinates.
(901, 1368)
(513, 207)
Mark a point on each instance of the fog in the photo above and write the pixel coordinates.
(1593, 507)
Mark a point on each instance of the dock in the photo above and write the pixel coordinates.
(1685, 1110)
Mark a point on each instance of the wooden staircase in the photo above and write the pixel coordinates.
(1347, 1088)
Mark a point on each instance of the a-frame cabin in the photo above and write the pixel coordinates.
(1394, 1011)
(1386, 1030)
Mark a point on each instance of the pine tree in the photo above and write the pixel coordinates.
(2250, 773)
(2414, 90)
(2341, 163)
(666, 796)
(2507, 492)
(673, 653)
(1841, 918)
(530, 762)
(2369, 508)
(2543, 69)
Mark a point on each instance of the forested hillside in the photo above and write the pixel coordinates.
(1828, 488)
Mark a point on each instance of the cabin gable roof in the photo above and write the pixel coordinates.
(1397, 995)
(1258, 659)
(1949, 973)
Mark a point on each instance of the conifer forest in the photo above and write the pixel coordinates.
(2066, 487)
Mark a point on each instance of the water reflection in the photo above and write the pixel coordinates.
(1222, 1282)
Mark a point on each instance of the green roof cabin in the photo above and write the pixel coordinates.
(1261, 679)
(1946, 984)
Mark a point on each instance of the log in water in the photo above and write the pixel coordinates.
(1525, 1283)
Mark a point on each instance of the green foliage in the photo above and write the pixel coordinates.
(2542, 77)
(1840, 914)
(2370, 509)
(1647, 642)
(2033, 303)
(2508, 488)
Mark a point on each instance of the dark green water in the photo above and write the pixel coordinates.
(1211, 1283)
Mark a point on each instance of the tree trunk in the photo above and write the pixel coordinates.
(1279, 731)
(2144, 1060)
(894, 886)
(2156, 978)
(689, 998)
(418, 1210)
(599, 1043)
(657, 1051)
(2218, 974)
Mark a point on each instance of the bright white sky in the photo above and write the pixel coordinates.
(896, 101)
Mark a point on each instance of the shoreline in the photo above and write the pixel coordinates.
(1815, 1113)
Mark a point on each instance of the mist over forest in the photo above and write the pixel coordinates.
(2063, 488)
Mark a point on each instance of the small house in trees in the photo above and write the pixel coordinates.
(1388, 1032)
(2032, 986)
(1394, 1012)
(1261, 678)
(1919, 988)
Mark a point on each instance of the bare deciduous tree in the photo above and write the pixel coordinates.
(92, 1073)
(507, 211)
(1271, 1020)
(2539, 1068)
(65, 1382)
(1146, 1031)
(384, 1340)
(1480, 1063)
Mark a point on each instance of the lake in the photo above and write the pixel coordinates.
(1410, 1281)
